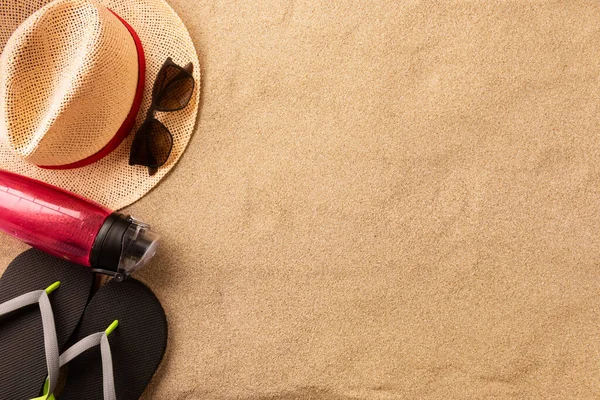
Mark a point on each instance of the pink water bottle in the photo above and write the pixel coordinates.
(71, 227)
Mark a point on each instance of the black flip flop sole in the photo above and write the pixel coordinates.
(23, 360)
(137, 345)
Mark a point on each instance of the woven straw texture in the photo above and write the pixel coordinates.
(69, 78)
(70, 108)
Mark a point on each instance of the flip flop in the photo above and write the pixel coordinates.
(31, 335)
(120, 343)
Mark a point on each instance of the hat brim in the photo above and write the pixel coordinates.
(111, 181)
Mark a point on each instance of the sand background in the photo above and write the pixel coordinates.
(384, 200)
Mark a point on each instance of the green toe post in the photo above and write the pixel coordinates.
(46, 396)
(112, 327)
(52, 287)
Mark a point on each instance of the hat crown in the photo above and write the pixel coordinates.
(68, 78)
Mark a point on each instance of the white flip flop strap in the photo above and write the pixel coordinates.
(49, 328)
(84, 345)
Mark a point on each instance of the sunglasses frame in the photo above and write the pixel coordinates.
(150, 115)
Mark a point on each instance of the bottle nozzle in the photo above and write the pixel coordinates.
(140, 244)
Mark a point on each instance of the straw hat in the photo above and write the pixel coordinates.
(76, 79)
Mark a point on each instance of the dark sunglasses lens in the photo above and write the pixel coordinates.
(174, 89)
(152, 145)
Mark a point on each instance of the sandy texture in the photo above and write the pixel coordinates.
(384, 200)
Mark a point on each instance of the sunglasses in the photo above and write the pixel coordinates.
(172, 91)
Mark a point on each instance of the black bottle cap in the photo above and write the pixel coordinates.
(123, 246)
(108, 247)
